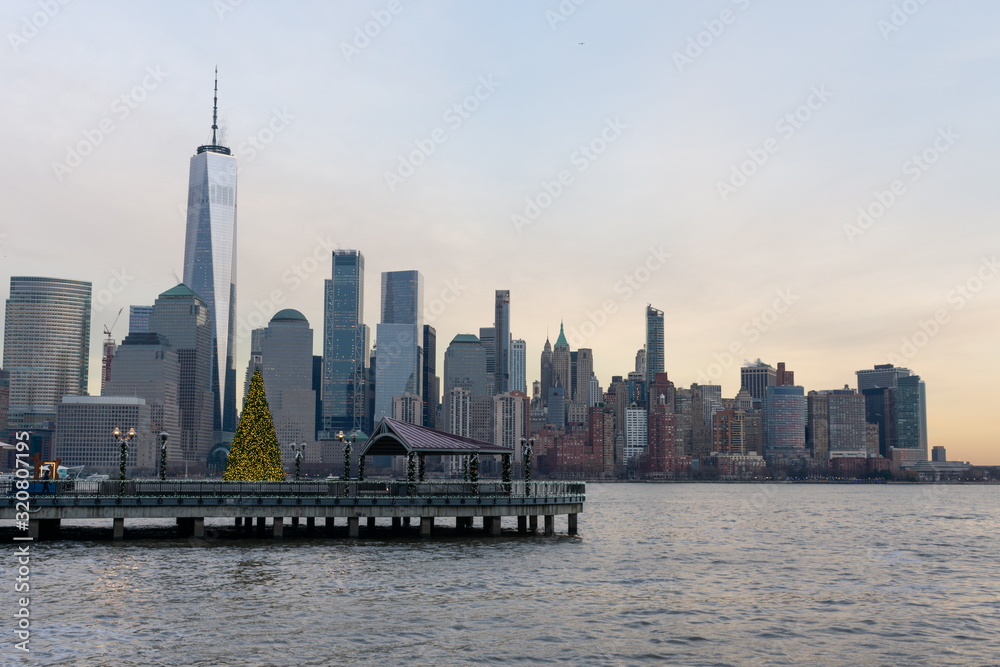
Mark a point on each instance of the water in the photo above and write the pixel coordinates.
(691, 574)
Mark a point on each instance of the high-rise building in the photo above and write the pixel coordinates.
(399, 336)
(345, 345)
(510, 421)
(4, 401)
(210, 262)
(501, 327)
(408, 408)
(785, 421)
(545, 377)
(431, 382)
(256, 357)
(556, 414)
(456, 412)
(182, 317)
(562, 364)
(584, 369)
(640, 361)
(907, 432)
(594, 392)
(882, 376)
(818, 425)
(847, 422)
(782, 377)
(518, 366)
(465, 368)
(84, 428)
(46, 346)
(756, 377)
(636, 432)
(147, 366)
(138, 319)
(286, 369)
(654, 343)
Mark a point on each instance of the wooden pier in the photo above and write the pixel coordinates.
(190, 502)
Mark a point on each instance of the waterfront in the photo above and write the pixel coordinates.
(697, 574)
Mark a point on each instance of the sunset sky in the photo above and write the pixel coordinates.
(798, 182)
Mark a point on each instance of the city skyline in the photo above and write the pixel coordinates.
(786, 267)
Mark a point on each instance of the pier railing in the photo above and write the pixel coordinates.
(155, 488)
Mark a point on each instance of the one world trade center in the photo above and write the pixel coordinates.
(210, 261)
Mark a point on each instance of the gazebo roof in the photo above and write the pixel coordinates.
(395, 438)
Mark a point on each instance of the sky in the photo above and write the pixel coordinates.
(797, 182)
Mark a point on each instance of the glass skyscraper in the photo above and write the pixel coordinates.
(210, 263)
(501, 326)
(398, 337)
(46, 346)
(345, 345)
(654, 343)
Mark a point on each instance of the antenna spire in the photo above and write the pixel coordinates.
(215, 107)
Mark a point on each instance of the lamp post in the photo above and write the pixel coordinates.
(163, 454)
(298, 449)
(123, 440)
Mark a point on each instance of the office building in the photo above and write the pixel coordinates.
(286, 368)
(84, 434)
(210, 263)
(147, 366)
(408, 408)
(785, 421)
(399, 335)
(756, 377)
(562, 364)
(345, 345)
(465, 368)
(510, 421)
(518, 366)
(880, 377)
(584, 369)
(182, 317)
(46, 348)
(654, 343)
(431, 382)
(636, 432)
(4, 401)
(138, 319)
(501, 327)
(545, 377)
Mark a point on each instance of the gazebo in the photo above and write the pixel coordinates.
(396, 438)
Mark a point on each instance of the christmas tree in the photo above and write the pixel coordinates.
(254, 455)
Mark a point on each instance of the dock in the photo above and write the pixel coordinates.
(190, 502)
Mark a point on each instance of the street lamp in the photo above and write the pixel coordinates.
(298, 449)
(123, 440)
(163, 454)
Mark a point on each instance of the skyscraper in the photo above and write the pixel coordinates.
(210, 262)
(138, 319)
(4, 401)
(431, 382)
(756, 377)
(518, 366)
(545, 378)
(785, 421)
(654, 343)
(501, 327)
(286, 367)
(182, 317)
(46, 346)
(584, 369)
(465, 368)
(562, 364)
(398, 338)
(345, 345)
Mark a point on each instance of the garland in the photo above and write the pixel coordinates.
(527, 469)
(411, 474)
(506, 474)
(163, 461)
(421, 466)
(361, 468)
(474, 472)
(465, 468)
(121, 486)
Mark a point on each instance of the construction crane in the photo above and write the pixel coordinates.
(109, 351)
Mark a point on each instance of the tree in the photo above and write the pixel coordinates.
(255, 455)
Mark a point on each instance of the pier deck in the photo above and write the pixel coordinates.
(190, 502)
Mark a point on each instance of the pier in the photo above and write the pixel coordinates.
(190, 502)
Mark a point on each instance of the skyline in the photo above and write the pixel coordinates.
(788, 245)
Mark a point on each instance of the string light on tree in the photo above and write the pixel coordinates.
(255, 455)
